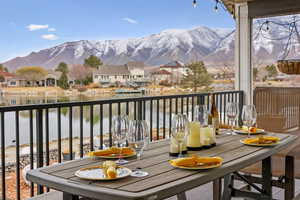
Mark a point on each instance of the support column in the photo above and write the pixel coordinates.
(243, 48)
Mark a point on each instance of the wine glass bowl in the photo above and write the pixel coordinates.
(179, 130)
(138, 139)
(120, 127)
(232, 112)
(249, 116)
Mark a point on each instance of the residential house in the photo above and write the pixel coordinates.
(161, 76)
(14, 80)
(176, 68)
(5, 79)
(130, 74)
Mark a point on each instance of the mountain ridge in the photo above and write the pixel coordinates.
(215, 46)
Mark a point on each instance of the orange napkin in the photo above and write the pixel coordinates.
(262, 140)
(112, 150)
(195, 161)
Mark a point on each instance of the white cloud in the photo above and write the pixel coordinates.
(129, 20)
(51, 29)
(49, 37)
(34, 27)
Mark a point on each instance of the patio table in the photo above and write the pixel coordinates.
(163, 180)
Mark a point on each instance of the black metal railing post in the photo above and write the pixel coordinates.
(3, 184)
(241, 104)
(39, 144)
(140, 110)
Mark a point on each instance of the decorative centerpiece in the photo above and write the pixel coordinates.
(291, 66)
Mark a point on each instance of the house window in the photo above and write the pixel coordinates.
(13, 83)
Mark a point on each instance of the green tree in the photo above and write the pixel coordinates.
(271, 70)
(3, 69)
(2, 79)
(63, 81)
(196, 76)
(62, 67)
(32, 73)
(93, 62)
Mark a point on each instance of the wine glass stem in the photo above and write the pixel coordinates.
(139, 155)
(232, 126)
(120, 152)
(180, 149)
(248, 131)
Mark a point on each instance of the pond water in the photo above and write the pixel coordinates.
(24, 119)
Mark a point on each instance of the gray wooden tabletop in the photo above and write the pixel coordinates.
(163, 180)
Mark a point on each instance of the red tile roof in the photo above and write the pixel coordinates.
(6, 74)
(164, 72)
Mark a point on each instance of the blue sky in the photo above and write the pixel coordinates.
(32, 25)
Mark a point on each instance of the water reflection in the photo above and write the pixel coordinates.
(24, 121)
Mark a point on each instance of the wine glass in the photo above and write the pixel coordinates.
(138, 139)
(232, 111)
(249, 116)
(179, 130)
(201, 115)
(120, 126)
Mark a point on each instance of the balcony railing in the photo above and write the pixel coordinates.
(42, 129)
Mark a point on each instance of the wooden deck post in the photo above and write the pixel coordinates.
(243, 47)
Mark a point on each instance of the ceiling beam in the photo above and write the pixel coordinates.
(271, 8)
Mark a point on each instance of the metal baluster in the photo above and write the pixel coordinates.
(91, 128)
(81, 130)
(134, 110)
(151, 119)
(101, 126)
(47, 138)
(59, 133)
(110, 124)
(18, 194)
(157, 119)
(119, 108)
(3, 157)
(170, 117)
(182, 103)
(71, 132)
(31, 148)
(164, 118)
(187, 106)
(127, 108)
(39, 144)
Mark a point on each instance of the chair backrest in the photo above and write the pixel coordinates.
(278, 108)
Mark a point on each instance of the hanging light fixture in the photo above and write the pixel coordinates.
(194, 3)
(267, 23)
(216, 6)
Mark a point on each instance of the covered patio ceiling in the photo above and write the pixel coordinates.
(266, 8)
(244, 11)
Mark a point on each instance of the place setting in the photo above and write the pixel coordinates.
(130, 137)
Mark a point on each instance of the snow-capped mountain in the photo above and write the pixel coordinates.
(213, 45)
